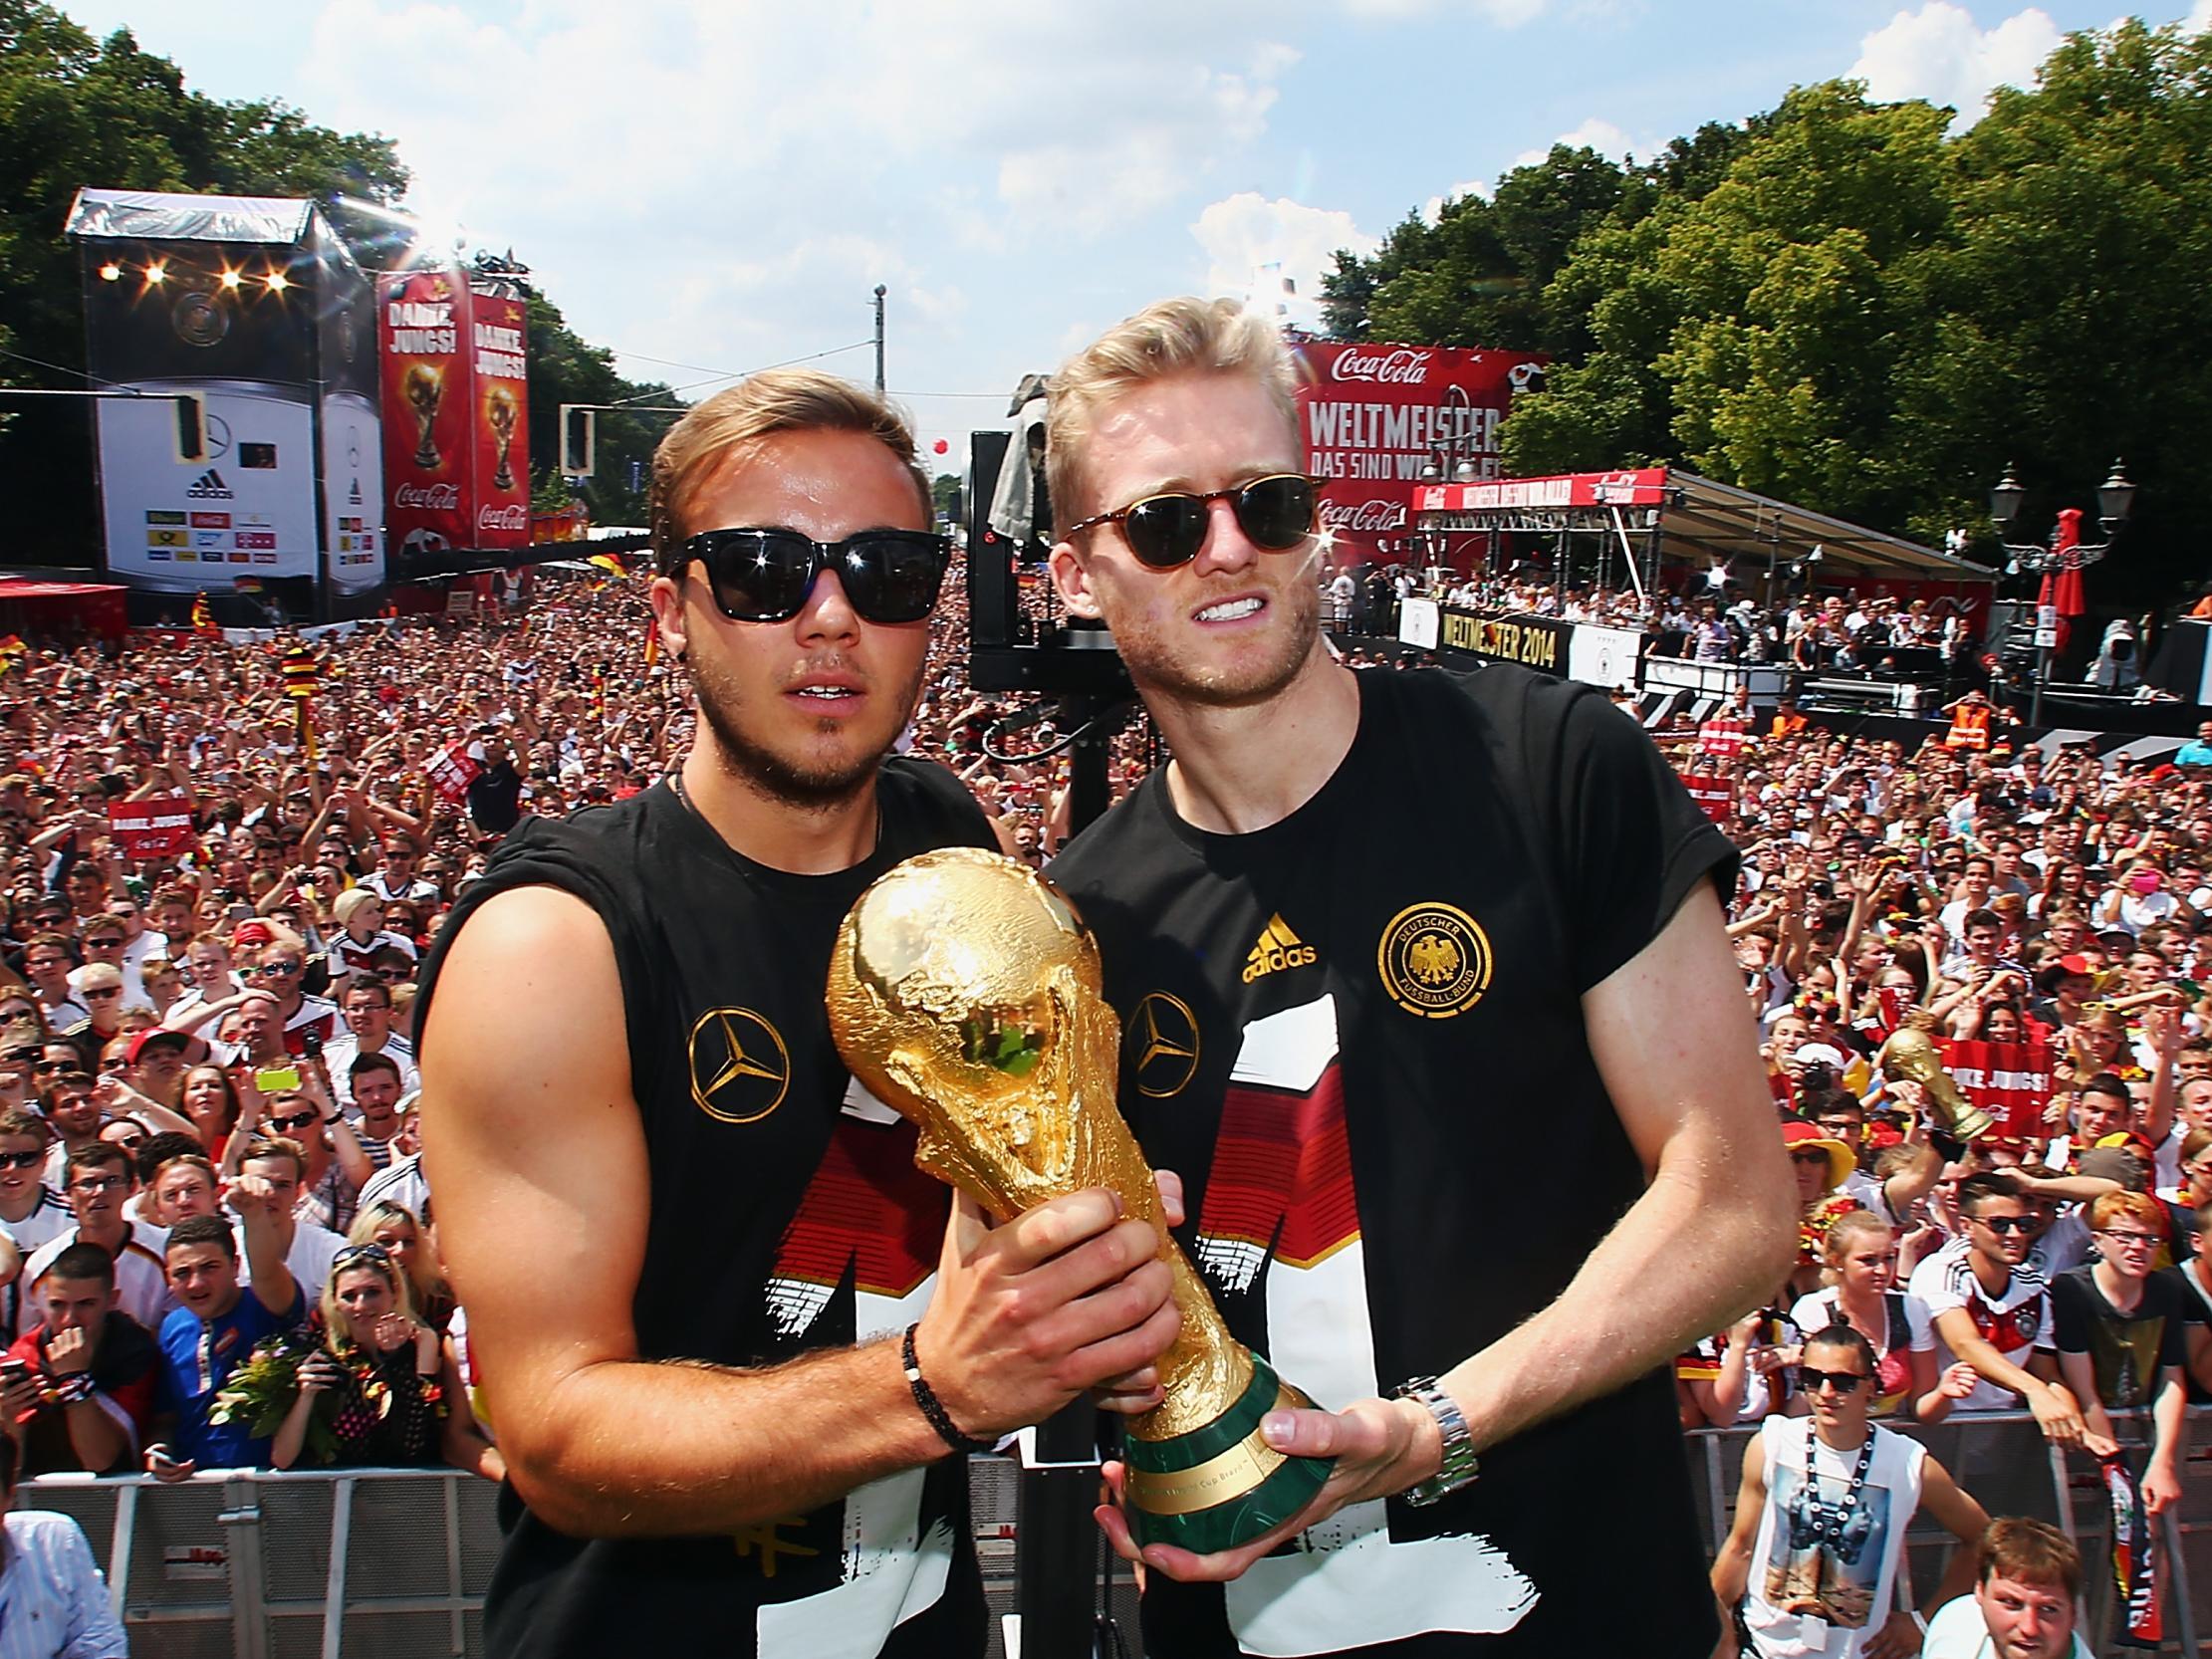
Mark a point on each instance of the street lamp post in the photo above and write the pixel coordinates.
(2061, 555)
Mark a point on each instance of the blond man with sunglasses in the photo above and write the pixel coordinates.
(1362, 918)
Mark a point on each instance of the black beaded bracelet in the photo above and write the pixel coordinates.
(932, 1407)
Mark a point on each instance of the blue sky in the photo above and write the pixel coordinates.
(721, 183)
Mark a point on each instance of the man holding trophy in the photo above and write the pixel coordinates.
(1360, 925)
(732, 1337)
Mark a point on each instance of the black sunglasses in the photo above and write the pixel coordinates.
(2005, 1224)
(285, 1125)
(21, 1160)
(1844, 1382)
(765, 576)
(1275, 513)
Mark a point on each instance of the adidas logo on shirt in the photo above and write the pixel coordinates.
(1279, 948)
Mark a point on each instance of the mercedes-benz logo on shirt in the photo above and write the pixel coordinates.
(1163, 1044)
(740, 1069)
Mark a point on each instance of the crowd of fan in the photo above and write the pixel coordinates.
(207, 1081)
(2010, 895)
(221, 1248)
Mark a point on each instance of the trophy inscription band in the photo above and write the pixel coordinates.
(1201, 1486)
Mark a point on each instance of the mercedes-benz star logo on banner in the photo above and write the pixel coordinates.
(1162, 1043)
(740, 1069)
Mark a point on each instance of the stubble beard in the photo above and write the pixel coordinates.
(776, 777)
(1157, 669)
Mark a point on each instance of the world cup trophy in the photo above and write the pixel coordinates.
(423, 385)
(965, 993)
(1910, 1055)
(501, 411)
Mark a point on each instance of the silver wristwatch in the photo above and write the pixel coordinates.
(1460, 1465)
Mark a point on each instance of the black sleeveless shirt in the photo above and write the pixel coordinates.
(786, 1216)
(1357, 1034)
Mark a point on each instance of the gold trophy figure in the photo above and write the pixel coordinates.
(965, 993)
(501, 411)
(1910, 1055)
(423, 387)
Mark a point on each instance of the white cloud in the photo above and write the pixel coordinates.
(761, 167)
(1940, 54)
(2199, 18)
(1432, 210)
(1250, 242)
(1596, 133)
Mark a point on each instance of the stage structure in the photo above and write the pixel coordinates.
(255, 307)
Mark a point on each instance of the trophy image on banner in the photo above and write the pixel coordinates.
(501, 411)
(1910, 1055)
(965, 993)
(425, 387)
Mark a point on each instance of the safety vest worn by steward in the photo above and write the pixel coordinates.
(1969, 727)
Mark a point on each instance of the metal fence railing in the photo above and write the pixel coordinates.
(379, 1563)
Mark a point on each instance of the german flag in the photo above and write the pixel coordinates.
(303, 674)
(12, 653)
(203, 618)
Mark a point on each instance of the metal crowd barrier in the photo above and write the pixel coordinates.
(379, 1563)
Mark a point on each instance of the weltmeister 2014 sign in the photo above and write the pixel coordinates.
(1372, 417)
(1532, 641)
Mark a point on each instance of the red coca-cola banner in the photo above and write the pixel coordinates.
(158, 826)
(498, 329)
(1716, 796)
(456, 417)
(1628, 487)
(2008, 1081)
(1372, 417)
(1721, 737)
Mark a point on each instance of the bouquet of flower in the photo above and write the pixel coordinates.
(260, 1393)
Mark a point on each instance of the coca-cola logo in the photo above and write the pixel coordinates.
(513, 516)
(427, 498)
(1401, 366)
(1362, 515)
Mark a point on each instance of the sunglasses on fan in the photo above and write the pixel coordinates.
(765, 576)
(1276, 513)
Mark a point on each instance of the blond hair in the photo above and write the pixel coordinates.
(341, 1327)
(731, 424)
(1174, 336)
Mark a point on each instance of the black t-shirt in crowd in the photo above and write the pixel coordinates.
(786, 1215)
(2126, 1350)
(495, 797)
(1358, 1035)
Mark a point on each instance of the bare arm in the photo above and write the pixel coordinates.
(1957, 1512)
(1732, 1566)
(2057, 1411)
(538, 1154)
(462, 1443)
(1679, 1060)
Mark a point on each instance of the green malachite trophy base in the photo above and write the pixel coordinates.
(1221, 1485)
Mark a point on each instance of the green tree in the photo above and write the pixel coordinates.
(945, 490)
(1477, 275)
